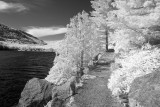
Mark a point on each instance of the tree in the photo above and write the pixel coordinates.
(101, 9)
(136, 34)
(134, 18)
(83, 29)
(78, 47)
(132, 21)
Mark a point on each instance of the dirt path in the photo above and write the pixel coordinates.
(95, 92)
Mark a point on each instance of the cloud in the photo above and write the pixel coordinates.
(45, 31)
(17, 7)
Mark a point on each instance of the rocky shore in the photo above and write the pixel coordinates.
(93, 93)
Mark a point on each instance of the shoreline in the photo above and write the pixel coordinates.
(26, 47)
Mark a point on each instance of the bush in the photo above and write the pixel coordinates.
(61, 71)
(134, 65)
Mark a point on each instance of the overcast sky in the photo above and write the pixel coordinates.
(41, 17)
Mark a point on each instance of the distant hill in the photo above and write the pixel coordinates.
(53, 37)
(11, 35)
(12, 39)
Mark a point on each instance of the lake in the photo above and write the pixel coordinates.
(16, 68)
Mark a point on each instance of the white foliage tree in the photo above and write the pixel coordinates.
(137, 20)
(77, 49)
(137, 32)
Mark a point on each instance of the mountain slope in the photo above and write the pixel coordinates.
(12, 39)
(11, 35)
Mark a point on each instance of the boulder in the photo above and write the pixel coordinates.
(63, 93)
(36, 93)
(145, 91)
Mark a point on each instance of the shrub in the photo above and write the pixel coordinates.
(61, 71)
(134, 65)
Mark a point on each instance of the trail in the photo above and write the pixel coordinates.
(95, 92)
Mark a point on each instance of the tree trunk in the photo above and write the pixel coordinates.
(82, 63)
(80, 72)
(82, 58)
(106, 33)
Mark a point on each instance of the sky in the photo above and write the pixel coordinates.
(46, 19)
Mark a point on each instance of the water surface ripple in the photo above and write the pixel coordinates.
(16, 68)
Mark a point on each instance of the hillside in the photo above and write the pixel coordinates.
(9, 37)
(17, 36)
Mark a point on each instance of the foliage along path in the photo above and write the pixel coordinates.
(95, 92)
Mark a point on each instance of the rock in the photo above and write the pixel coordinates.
(48, 104)
(145, 91)
(63, 93)
(154, 28)
(57, 103)
(36, 93)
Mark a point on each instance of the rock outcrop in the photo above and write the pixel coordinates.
(36, 93)
(63, 95)
(145, 91)
(40, 92)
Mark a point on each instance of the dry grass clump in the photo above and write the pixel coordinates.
(134, 65)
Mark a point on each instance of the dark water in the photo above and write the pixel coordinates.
(16, 68)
